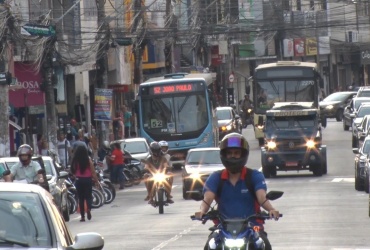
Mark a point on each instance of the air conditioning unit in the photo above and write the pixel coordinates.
(352, 36)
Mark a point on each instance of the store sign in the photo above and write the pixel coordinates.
(365, 57)
(299, 47)
(288, 47)
(311, 47)
(29, 92)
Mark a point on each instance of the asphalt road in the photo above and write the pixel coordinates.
(319, 213)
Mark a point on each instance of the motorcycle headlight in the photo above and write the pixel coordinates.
(238, 243)
(271, 144)
(329, 107)
(160, 177)
(310, 144)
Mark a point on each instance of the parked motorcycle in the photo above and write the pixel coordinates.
(235, 234)
(72, 195)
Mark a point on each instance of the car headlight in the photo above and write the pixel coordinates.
(237, 243)
(194, 176)
(260, 127)
(329, 107)
(271, 145)
(362, 159)
(226, 128)
(310, 144)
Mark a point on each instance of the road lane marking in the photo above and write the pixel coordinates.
(176, 237)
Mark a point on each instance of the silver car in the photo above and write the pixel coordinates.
(30, 220)
(55, 179)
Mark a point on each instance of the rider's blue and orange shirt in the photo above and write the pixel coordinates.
(235, 201)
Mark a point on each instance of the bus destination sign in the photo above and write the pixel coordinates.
(173, 88)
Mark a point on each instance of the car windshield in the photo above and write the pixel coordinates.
(48, 167)
(135, 147)
(2, 169)
(364, 93)
(223, 114)
(204, 157)
(363, 111)
(23, 221)
(359, 102)
(290, 122)
(366, 147)
(340, 97)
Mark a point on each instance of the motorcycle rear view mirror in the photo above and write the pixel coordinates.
(274, 195)
(195, 195)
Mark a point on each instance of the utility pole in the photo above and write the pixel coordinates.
(168, 43)
(102, 65)
(4, 92)
(139, 43)
(49, 81)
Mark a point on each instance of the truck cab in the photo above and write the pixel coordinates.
(293, 140)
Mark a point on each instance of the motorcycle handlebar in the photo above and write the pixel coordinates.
(257, 216)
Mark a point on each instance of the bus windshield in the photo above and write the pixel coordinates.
(175, 114)
(269, 92)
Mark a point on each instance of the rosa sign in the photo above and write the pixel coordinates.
(30, 93)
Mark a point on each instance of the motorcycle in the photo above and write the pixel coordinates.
(235, 234)
(248, 117)
(159, 180)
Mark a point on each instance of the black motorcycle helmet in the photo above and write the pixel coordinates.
(155, 149)
(234, 140)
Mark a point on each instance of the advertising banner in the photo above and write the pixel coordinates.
(288, 47)
(29, 80)
(311, 46)
(298, 47)
(103, 104)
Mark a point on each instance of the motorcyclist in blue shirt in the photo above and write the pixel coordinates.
(235, 200)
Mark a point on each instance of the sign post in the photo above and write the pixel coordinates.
(231, 78)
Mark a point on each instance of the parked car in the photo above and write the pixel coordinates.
(350, 110)
(358, 116)
(137, 147)
(333, 105)
(56, 181)
(360, 164)
(362, 131)
(228, 121)
(199, 164)
(30, 220)
(363, 91)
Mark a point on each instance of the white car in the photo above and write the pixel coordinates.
(137, 147)
(30, 220)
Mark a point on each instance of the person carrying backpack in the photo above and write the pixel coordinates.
(238, 190)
